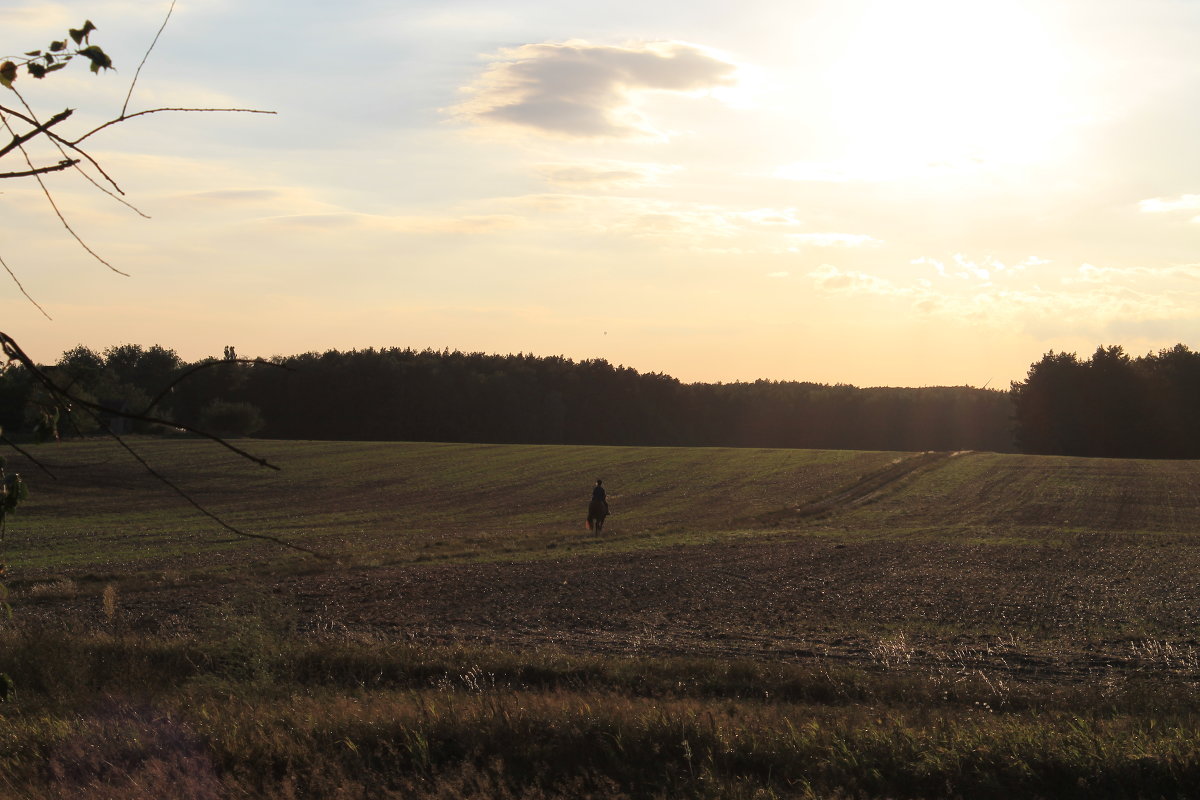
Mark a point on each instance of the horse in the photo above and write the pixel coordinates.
(597, 511)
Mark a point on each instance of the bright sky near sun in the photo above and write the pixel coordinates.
(861, 191)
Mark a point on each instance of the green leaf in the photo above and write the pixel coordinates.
(79, 34)
(98, 57)
(8, 74)
(56, 46)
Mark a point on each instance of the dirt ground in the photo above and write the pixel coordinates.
(1094, 604)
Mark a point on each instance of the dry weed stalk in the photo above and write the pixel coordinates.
(108, 603)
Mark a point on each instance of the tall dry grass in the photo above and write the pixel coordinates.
(250, 709)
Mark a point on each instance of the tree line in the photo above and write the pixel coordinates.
(1111, 405)
(395, 394)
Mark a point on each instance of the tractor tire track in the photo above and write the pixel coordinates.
(866, 489)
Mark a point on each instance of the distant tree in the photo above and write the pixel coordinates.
(1111, 405)
(231, 419)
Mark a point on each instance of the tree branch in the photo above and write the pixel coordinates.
(28, 296)
(9, 443)
(59, 167)
(149, 50)
(17, 141)
(124, 117)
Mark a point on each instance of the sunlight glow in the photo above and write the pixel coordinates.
(948, 83)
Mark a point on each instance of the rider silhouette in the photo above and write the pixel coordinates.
(598, 507)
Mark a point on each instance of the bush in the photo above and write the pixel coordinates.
(231, 419)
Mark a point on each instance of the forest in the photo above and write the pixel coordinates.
(1109, 405)
(397, 394)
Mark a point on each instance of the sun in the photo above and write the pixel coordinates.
(945, 83)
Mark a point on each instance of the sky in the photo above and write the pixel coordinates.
(918, 193)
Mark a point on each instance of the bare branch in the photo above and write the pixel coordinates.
(60, 143)
(28, 297)
(149, 49)
(59, 167)
(124, 117)
(10, 443)
(191, 501)
(50, 198)
(37, 131)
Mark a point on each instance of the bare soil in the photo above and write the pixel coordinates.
(1059, 569)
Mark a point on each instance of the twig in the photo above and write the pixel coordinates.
(191, 501)
(124, 117)
(28, 297)
(60, 142)
(59, 167)
(149, 49)
(36, 174)
(10, 443)
(37, 131)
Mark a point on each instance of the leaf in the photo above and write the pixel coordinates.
(34, 53)
(79, 34)
(8, 74)
(98, 57)
(36, 69)
(56, 46)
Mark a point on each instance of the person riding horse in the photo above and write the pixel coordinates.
(598, 508)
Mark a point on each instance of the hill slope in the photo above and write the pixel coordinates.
(404, 502)
(1046, 565)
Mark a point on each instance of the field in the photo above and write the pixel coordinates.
(751, 623)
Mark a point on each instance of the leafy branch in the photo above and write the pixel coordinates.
(39, 64)
(56, 56)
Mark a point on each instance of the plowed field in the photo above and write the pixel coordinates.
(1054, 568)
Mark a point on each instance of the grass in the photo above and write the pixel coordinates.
(396, 502)
(755, 623)
(260, 714)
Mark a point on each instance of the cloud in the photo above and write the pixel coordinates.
(1094, 299)
(429, 225)
(833, 279)
(868, 170)
(236, 195)
(1161, 205)
(604, 174)
(986, 269)
(580, 90)
(834, 239)
(697, 223)
(1090, 273)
